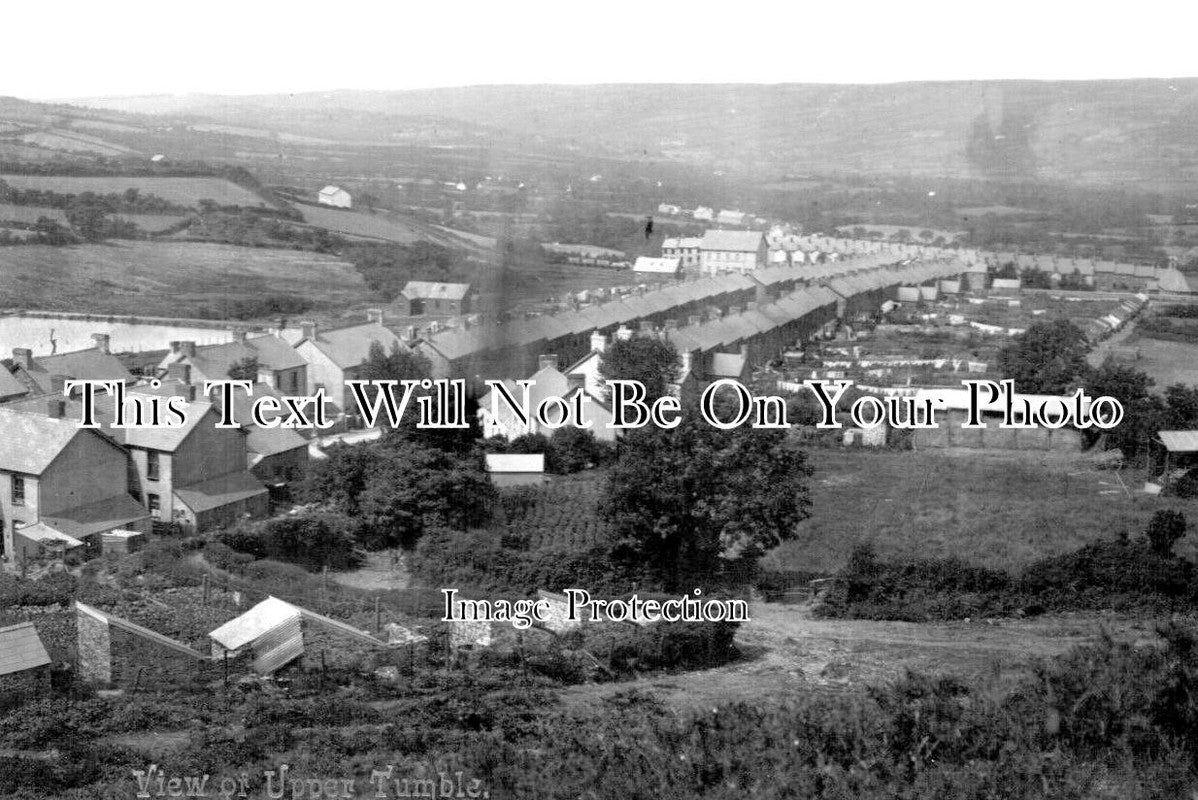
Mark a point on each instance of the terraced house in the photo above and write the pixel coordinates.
(61, 486)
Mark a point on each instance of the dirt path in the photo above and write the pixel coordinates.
(787, 650)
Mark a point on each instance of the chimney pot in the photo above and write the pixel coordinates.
(598, 342)
(103, 342)
(188, 349)
(238, 335)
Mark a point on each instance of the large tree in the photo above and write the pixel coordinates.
(687, 501)
(1048, 358)
(654, 362)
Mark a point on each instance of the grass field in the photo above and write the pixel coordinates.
(1165, 362)
(184, 191)
(368, 226)
(1001, 510)
(30, 214)
(167, 279)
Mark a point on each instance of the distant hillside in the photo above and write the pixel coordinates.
(1142, 132)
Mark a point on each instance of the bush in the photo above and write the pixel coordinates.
(312, 540)
(1163, 531)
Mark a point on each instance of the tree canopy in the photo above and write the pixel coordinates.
(1048, 358)
(653, 362)
(686, 500)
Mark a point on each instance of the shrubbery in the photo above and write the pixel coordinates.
(1121, 574)
(312, 540)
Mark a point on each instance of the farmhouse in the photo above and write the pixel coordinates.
(334, 196)
(24, 663)
(420, 298)
(59, 484)
(732, 251)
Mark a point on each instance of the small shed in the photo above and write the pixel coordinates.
(334, 196)
(516, 469)
(121, 542)
(270, 631)
(657, 266)
(24, 662)
(1180, 448)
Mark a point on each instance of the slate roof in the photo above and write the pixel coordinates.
(29, 441)
(41, 532)
(433, 290)
(9, 385)
(21, 649)
(221, 491)
(82, 365)
(271, 352)
(732, 241)
(99, 517)
(349, 347)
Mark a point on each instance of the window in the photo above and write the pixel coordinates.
(18, 490)
(153, 504)
(152, 465)
(294, 382)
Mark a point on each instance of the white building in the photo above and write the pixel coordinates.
(657, 266)
(334, 196)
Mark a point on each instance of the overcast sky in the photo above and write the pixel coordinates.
(95, 48)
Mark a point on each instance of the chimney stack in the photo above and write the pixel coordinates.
(188, 349)
(374, 315)
(174, 346)
(58, 384)
(238, 336)
(598, 342)
(103, 342)
(56, 407)
(191, 392)
(179, 372)
(308, 329)
(22, 357)
(547, 361)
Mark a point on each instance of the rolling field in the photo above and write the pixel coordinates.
(1000, 509)
(184, 191)
(167, 279)
(367, 226)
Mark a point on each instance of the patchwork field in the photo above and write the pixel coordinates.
(997, 509)
(184, 191)
(177, 279)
